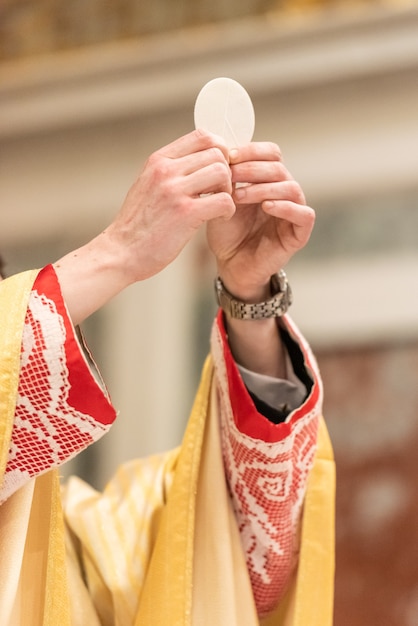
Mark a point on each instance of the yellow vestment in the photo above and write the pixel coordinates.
(187, 569)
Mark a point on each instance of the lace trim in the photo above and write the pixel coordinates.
(47, 430)
(267, 483)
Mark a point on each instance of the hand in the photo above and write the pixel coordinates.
(180, 187)
(270, 224)
(163, 209)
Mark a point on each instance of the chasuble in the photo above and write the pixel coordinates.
(235, 527)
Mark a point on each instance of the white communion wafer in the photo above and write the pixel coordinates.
(225, 108)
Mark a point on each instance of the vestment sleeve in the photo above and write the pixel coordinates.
(269, 393)
(61, 406)
(267, 465)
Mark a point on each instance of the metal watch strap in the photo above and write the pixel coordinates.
(276, 306)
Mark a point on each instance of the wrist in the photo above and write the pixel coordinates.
(272, 301)
(248, 291)
(90, 276)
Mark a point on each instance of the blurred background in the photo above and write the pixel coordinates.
(89, 88)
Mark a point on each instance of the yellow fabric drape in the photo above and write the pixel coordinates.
(197, 575)
(222, 591)
(310, 600)
(167, 593)
(210, 584)
(37, 590)
(14, 295)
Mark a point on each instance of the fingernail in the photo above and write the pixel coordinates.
(233, 154)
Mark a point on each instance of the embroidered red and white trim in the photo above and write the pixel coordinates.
(51, 424)
(266, 477)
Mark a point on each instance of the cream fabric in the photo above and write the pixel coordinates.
(221, 586)
(185, 566)
(188, 555)
(33, 587)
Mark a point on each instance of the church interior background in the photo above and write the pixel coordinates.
(88, 89)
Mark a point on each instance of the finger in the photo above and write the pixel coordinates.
(256, 151)
(198, 160)
(260, 172)
(286, 190)
(215, 206)
(301, 217)
(194, 142)
(210, 179)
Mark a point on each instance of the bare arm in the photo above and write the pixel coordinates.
(270, 224)
(257, 346)
(252, 230)
(164, 207)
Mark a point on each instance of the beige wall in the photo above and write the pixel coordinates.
(338, 90)
(339, 94)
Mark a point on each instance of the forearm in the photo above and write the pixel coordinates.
(61, 408)
(266, 466)
(179, 188)
(255, 344)
(90, 276)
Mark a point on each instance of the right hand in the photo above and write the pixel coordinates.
(163, 209)
(168, 203)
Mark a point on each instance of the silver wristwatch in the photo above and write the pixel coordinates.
(276, 306)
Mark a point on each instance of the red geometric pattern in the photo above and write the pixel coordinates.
(61, 409)
(268, 484)
(48, 430)
(266, 479)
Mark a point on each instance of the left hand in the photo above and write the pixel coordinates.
(270, 224)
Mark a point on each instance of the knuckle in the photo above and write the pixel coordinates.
(180, 207)
(158, 167)
(185, 205)
(279, 172)
(153, 159)
(311, 215)
(275, 151)
(205, 137)
(226, 204)
(217, 154)
(220, 169)
(208, 140)
(169, 190)
(296, 192)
